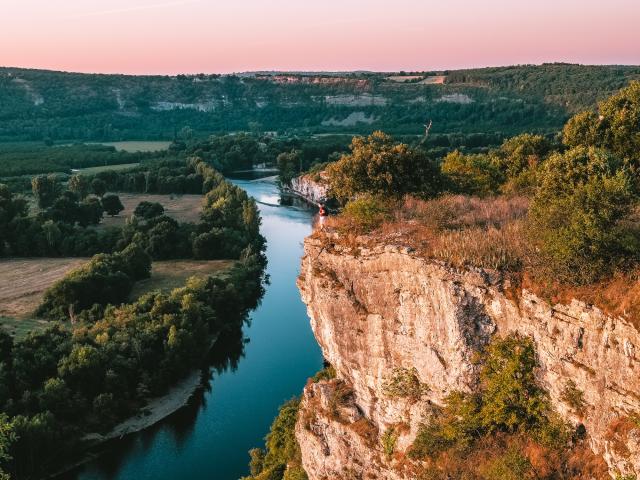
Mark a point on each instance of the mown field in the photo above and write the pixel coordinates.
(184, 208)
(169, 274)
(23, 282)
(106, 168)
(139, 146)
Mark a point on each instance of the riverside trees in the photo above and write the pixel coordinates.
(87, 374)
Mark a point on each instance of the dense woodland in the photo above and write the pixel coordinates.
(40, 105)
(103, 357)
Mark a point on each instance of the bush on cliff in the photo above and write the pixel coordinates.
(579, 217)
(281, 458)
(506, 429)
(366, 213)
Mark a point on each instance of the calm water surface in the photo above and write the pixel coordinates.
(261, 369)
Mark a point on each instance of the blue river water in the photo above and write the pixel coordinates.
(209, 439)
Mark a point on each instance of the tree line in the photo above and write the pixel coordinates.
(67, 225)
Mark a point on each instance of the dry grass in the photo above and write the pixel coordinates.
(23, 282)
(616, 296)
(458, 229)
(489, 233)
(184, 208)
(169, 274)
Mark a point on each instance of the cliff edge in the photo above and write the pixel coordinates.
(381, 311)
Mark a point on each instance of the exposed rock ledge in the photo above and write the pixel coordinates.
(385, 308)
(308, 188)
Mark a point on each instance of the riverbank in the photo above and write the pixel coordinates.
(156, 410)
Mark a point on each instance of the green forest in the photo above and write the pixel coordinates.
(38, 105)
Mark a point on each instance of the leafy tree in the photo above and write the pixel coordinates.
(112, 204)
(7, 438)
(148, 210)
(616, 127)
(379, 166)
(99, 187)
(289, 166)
(90, 212)
(45, 189)
(577, 216)
(10, 209)
(475, 174)
(79, 184)
(281, 460)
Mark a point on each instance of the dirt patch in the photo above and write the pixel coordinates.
(169, 274)
(23, 282)
(184, 208)
(434, 80)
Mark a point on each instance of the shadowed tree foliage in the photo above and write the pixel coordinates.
(377, 165)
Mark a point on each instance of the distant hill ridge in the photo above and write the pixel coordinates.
(40, 104)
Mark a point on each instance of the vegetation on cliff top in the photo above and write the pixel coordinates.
(563, 215)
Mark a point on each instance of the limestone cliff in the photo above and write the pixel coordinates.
(309, 188)
(382, 310)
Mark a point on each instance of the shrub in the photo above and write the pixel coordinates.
(327, 373)
(577, 217)
(389, 439)
(366, 213)
(404, 383)
(509, 400)
(574, 397)
(512, 465)
(474, 174)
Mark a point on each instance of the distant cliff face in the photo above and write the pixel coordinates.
(313, 190)
(379, 311)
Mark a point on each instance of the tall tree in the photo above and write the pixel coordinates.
(79, 184)
(46, 189)
(112, 204)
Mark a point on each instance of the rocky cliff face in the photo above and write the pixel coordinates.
(381, 312)
(310, 189)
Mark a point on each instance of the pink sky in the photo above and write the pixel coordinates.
(191, 36)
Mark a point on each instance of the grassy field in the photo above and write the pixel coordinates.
(139, 146)
(169, 274)
(24, 280)
(94, 170)
(184, 208)
(19, 327)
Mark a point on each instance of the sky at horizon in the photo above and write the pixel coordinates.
(215, 36)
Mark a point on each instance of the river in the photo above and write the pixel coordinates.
(262, 368)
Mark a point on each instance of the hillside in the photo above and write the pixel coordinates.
(36, 104)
